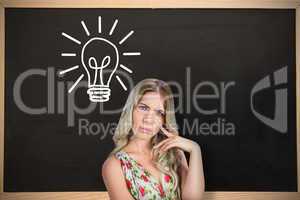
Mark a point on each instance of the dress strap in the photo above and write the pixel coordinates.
(128, 174)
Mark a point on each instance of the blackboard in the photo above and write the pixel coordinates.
(243, 60)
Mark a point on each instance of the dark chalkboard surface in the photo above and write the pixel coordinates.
(237, 96)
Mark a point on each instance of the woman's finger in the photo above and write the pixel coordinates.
(168, 143)
(166, 132)
(168, 146)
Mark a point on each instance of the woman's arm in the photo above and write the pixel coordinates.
(193, 185)
(192, 176)
(114, 180)
(183, 167)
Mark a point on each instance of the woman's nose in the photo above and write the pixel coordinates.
(149, 117)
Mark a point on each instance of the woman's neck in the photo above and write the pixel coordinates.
(140, 145)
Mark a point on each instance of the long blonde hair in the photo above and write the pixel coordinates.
(166, 162)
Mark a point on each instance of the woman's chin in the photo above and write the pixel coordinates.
(146, 134)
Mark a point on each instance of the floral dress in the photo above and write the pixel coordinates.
(142, 184)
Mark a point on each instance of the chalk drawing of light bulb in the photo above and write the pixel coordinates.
(94, 66)
(100, 59)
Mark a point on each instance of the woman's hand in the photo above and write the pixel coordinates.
(175, 140)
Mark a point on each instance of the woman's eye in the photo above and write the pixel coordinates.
(142, 107)
(161, 113)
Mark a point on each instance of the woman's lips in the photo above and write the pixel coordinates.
(146, 130)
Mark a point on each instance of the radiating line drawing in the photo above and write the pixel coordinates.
(68, 54)
(68, 70)
(113, 27)
(127, 36)
(76, 82)
(126, 68)
(98, 53)
(121, 82)
(131, 54)
(85, 28)
(99, 24)
(71, 38)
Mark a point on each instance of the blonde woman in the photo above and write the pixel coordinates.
(148, 161)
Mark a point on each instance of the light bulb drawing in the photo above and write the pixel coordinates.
(100, 59)
(99, 88)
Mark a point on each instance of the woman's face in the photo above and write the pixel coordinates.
(148, 115)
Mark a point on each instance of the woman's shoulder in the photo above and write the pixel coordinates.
(113, 160)
(110, 162)
(111, 167)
